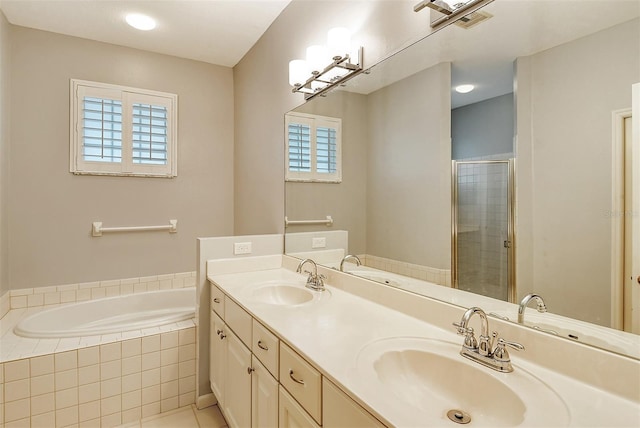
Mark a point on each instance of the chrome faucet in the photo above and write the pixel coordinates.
(347, 258)
(314, 281)
(541, 307)
(482, 350)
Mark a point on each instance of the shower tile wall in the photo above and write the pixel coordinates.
(482, 228)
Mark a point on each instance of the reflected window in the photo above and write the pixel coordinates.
(313, 148)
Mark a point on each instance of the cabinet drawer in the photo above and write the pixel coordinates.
(302, 381)
(238, 320)
(265, 347)
(217, 300)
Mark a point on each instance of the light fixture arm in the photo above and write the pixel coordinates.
(344, 62)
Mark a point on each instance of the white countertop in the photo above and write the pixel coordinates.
(331, 333)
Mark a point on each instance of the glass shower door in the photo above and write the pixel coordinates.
(482, 232)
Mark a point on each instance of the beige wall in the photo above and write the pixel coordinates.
(345, 202)
(408, 206)
(5, 85)
(263, 95)
(50, 211)
(564, 152)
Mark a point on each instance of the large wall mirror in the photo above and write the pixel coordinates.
(540, 140)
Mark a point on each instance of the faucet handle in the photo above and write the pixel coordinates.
(462, 330)
(501, 353)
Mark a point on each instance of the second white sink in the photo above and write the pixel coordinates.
(285, 294)
(430, 377)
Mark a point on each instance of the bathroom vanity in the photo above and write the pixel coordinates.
(363, 354)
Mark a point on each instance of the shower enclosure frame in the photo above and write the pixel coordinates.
(509, 243)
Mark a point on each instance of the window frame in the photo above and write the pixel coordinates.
(128, 96)
(314, 122)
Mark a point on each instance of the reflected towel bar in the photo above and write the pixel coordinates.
(98, 230)
(328, 222)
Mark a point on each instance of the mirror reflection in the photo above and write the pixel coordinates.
(537, 179)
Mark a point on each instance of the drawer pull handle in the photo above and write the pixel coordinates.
(261, 346)
(216, 300)
(301, 382)
(250, 370)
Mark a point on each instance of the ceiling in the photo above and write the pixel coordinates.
(484, 55)
(214, 31)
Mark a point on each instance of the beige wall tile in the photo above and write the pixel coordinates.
(88, 411)
(42, 384)
(88, 356)
(90, 392)
(110, 352)
(66, 361)
(43, 404)
(66, 398)
(66, 379)
(110, 387)
(16, 390)
(150, 377)
(41, 365)
(44, 420)
(131, 365)
(89, 374)
(169, 340)
(150, 344)
(16, 370)
(131, 347)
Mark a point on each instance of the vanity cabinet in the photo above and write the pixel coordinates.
(264, 396)
(237, 392)
(217, 357)
(260, 381)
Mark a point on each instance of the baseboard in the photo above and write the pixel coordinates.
(206, 400)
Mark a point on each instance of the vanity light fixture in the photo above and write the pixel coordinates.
(326, 66)
(140, 21)
(451, 10)
(464, 89)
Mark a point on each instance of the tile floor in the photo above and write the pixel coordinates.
(184, 417)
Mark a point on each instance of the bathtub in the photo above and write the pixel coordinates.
(111, 314)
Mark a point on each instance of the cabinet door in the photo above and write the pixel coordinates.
(264, 397)
(291, 414)
(338, 410)
(237, 400)
(217, 357)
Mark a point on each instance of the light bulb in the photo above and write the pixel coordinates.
(317, 58)
(140, 21)
(338, 42)
(298, 72)
(463, 89)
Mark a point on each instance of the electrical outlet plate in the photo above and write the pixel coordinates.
(242, 248)
(319, 242)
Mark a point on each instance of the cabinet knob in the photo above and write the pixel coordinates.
(250, 370)
(222, 336)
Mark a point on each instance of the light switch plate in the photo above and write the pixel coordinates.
(319, 243)
(242, 248)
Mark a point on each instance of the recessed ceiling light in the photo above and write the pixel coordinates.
(140, 21)
(463, 89)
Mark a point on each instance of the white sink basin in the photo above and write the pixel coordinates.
(287, 294)
(431, 377)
